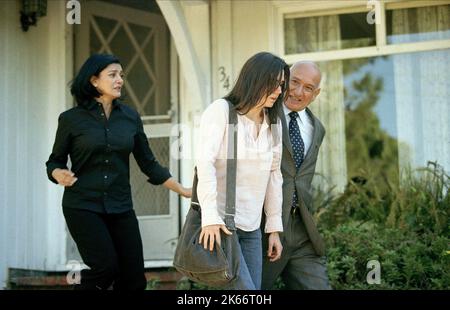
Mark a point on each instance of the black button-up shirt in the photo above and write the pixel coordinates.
(99, 150)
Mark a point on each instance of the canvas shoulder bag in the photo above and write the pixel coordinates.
(221, 266)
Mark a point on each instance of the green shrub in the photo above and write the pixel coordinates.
(406, 229)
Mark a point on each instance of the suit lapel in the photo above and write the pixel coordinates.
(315, 137)
(286, 139)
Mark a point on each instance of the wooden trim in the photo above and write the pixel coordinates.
(284, 9)
(413, 4)
(173, 14)
(370, 51)
(380, 25)
(175, 83)
(279, 24)
(113, 11)
(81, 35)
(272, 37)
(321, 12)
(312, 6)
(287, 6)
(157, 117)
(195, 2)
(222, 47)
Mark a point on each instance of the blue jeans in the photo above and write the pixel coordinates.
(250, 271)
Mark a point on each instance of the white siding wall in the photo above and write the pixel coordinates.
(240, 29)
(197, 19)
(33, 92)
(196, 15)
(250, 24)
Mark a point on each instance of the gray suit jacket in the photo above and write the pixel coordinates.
(301, 179)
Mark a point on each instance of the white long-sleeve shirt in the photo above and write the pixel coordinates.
(258, 175)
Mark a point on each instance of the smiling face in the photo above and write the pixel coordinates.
(109, 82)
(303, 86)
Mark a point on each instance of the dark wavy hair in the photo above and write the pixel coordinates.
(259, 77)
(81, 88)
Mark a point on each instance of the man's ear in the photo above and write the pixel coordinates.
(316, 93)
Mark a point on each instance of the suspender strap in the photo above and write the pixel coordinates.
(230, 207)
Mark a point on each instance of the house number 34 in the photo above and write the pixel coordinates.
(224, 79)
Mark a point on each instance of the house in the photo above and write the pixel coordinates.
(384, 101)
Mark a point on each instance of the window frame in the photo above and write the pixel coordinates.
(290, 9)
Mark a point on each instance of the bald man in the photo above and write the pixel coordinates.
(302, 264)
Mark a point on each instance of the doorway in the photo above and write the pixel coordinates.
(140, 38)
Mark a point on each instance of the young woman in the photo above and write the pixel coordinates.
(99, 134)
(255, 96)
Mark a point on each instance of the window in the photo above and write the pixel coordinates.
(336, 31)
(418, 24)
(394, 115)
(385, 98)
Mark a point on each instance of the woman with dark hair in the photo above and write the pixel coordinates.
(256, 97)
(99, 134)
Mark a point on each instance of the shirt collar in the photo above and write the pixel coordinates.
(265, 123)
(92, 103)
(301, 114)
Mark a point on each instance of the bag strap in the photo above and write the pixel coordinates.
(230, 203)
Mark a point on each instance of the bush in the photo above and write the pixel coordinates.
(406, 229)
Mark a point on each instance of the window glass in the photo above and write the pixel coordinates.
(323, 33)
(395, 111)
(418, 24)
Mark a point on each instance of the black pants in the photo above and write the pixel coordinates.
(111, 245)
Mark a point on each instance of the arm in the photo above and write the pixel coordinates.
(147, 162)
(212, 131)
(177, 187)
(273, 205)
(275, 247)
(274, 194)
(156, 173)
(273, 211)
(57, 170)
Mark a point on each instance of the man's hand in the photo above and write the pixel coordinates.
(275, 247)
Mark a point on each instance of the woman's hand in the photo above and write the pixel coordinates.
(275, 247)
(64, 177)
(186, 192)
(211, 234)
(178, 188)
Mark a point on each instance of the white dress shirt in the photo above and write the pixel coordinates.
(258, 175)
(304, 123)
